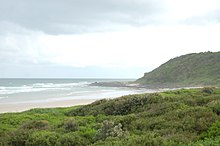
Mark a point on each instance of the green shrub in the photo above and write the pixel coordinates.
(208, 90)
(215, 106)
(206, 142)
(72, 139)
(120, 106)
(70, 125)
(212, 132)
(150, 139)
(87, 133)
(19, 137)
(36, 124)
(42, 138)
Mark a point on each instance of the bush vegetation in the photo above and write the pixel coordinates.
(180, 117)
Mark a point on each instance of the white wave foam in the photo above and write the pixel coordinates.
(38, 87)
(3, 97)
(21, 90)
(2, 88)
(59, 85)
(80, 92)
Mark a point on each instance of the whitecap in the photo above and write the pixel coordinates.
(1, 97)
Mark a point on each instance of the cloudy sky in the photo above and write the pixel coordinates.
(102, 38)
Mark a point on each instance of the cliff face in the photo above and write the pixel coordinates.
(197, 69)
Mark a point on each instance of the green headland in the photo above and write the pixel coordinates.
(197, 69)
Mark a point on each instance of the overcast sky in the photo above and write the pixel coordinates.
(102, 38)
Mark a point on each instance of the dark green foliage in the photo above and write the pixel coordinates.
(42, 138)
(179, 117)
(208, 90)
(18, 137)
(120, 106)
(70, 125)
(36, 124)
(215, 106)
(72, 139)
(197, 69)
(149, 139)
(194, 119)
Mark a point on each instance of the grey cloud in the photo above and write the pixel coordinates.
(7, 28)
(51, 16)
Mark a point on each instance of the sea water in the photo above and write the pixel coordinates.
(46, 90)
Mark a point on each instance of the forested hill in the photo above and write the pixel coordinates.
(197, 69)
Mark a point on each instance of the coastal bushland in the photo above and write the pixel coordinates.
(177, 117)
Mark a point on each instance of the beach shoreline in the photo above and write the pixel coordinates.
(24, 106)
(20, 107)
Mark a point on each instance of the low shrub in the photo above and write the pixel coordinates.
(36, 124)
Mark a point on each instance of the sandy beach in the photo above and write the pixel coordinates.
(19, 107)
(18, 95)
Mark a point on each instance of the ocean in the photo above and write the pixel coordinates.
(46, 90)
